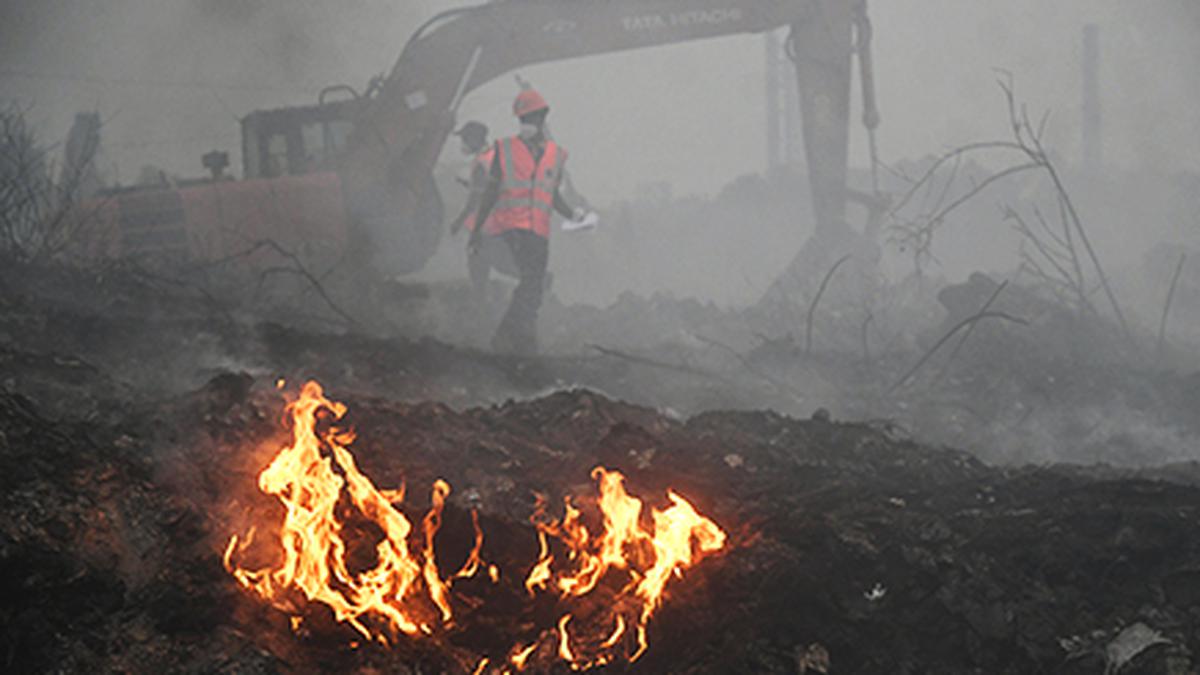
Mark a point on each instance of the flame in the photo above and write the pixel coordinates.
(564, 640)
(610, 578)
(312, 477)
(618, 631)
(645, 554)
(521, 654)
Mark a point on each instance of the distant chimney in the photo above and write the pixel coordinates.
(1093, 119)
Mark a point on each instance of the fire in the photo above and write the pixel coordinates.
(521, 654)
(610, 578)
(643, 555)
(311, 477)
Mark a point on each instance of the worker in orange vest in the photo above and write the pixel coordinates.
(521, 195)
(493, 253)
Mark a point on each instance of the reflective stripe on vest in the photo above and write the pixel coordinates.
(483, 161)
(527, 188)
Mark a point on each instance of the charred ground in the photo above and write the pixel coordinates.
(136, 414)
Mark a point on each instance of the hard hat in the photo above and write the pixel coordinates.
(529, 101)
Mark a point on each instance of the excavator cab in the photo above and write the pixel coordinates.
(297, 140)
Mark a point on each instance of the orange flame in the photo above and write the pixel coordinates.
(647, 555)
(521, 654)
(612, 578)
(311, 477)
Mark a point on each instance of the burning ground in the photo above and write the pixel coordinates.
(136, 424)
(887, 556)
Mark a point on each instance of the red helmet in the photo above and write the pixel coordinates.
(529, 101)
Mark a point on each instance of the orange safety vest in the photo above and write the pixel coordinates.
(482, 161)
(527, 189)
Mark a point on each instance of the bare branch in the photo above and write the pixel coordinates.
(299, 268)
(1162, 326)
(969, 321)
(940, 216)
(949, 157)
(971, 328)
(780, 386)
(655, 363)
(812, 307)
(866, 342)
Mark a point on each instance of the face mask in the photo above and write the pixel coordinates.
(466, 150)
(528, 131)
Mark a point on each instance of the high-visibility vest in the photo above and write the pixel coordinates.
(482, 161)
(527, 188)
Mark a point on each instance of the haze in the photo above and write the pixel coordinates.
(171, 79)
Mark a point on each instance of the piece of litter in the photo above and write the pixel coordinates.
(588, 222)
(814, 659)
(1128, 644)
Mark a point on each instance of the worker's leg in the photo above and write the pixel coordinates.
(479, 268)
(518, 328)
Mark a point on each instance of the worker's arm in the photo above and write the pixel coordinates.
(487, 201)
(478, 185)
(562, 207)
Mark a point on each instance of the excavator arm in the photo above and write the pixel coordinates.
(407, 116)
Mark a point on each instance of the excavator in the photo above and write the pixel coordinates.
(351, 177)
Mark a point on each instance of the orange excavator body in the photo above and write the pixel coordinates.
(302, 214)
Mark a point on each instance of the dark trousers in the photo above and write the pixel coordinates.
(493, 253)
(518, 329)
(479, 267)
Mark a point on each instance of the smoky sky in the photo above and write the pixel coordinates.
(171, 78)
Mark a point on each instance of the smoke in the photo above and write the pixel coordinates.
(692, 113)
(171, 80)
(668, 143)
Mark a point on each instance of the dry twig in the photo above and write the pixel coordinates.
(866, 342)
(971, 329)
(298, 268)
(654, 363)
(779, 386)
(1162, 325)
(812, 307)
(969, 321)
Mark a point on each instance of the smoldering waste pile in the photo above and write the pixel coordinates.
(849, 549)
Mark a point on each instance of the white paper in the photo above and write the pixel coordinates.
(589, 222)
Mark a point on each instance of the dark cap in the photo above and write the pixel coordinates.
(473, 132)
